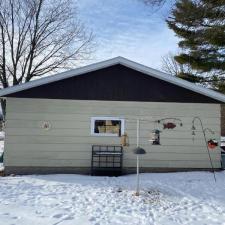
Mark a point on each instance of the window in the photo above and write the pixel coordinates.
(107, 126)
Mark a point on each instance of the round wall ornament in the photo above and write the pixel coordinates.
(46, 125)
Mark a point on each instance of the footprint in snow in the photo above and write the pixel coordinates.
(92, 219)
(15, 217)
(69, 218)
(57, 216)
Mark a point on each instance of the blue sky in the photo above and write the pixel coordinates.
(128, 28)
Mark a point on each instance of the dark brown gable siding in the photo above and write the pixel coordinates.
(115, 83)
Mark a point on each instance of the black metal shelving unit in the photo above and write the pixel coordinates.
(107, 160)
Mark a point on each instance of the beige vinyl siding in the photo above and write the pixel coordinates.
(68, 142)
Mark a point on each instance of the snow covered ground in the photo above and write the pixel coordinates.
(169, 198)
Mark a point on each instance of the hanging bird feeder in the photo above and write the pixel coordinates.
(155, 137)
(212, 144)
(139, 151)
(124, 141)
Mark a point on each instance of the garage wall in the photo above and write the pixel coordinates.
(222, 119)
(68, 142)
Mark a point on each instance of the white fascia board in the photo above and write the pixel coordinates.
(118, 60)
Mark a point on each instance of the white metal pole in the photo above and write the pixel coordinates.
(138, 130)
(137, 190)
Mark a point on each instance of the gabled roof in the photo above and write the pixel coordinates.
(114, 61)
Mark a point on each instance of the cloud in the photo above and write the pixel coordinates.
(128, 28)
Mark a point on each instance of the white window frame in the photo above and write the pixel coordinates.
(93, 119)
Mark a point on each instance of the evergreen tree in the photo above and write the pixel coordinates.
(201, 26)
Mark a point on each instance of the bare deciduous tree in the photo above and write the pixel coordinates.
(38, 37)
(207, 79)
(171, 66)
